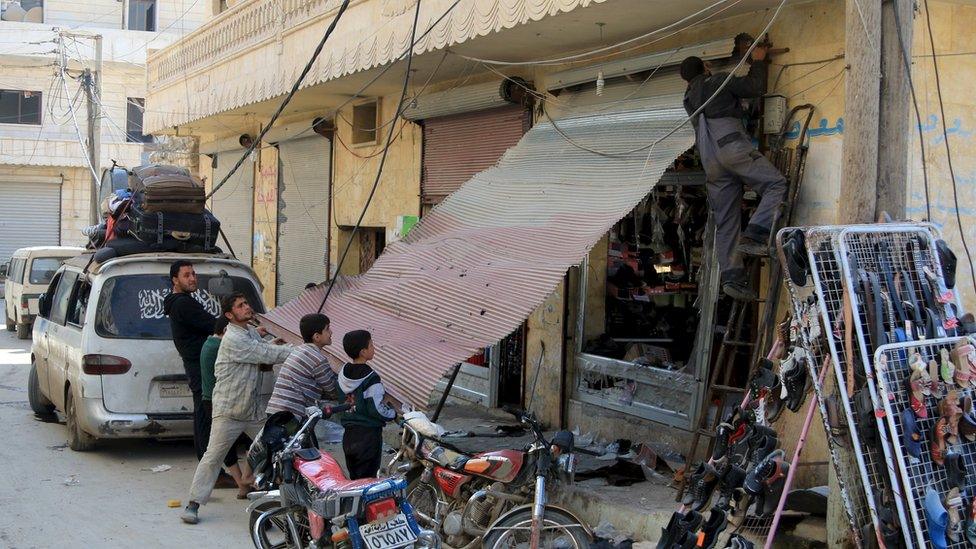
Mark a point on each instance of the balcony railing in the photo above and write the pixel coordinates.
(233, 31)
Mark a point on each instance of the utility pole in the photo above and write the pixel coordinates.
(859, 174)
(895, 133)
(93, 92)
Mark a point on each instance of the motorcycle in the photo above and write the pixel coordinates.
(306, 502)
(494, 498)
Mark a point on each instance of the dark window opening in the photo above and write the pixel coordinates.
(364, 123)
(142, 15)
(135, 107)
(20, 107)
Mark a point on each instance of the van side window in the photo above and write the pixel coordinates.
(17, 271)
(59, 305)
(78, 304)
(43, 268)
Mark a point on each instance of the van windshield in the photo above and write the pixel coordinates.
(131, 307)
(43, 268)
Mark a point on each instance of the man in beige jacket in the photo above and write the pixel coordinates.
(237, 403)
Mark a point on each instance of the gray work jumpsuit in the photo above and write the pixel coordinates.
(731, 162)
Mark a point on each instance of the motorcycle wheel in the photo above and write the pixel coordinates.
(561, 532)
(423, 498)
(274, 533)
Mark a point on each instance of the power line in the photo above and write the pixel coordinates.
(74, 121)
(379, 171)
(918, 113)
(284, 103)
(580, 56)
(945, 135)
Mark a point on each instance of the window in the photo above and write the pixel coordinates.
(78, 305)
(364, 123)
(20, 107)
(135, 107)
(59, 304)
(43, 268)
(131, 307)
(17, 270)
(142, 15)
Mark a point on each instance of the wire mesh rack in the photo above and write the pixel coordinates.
(810, 332)
(918, 476)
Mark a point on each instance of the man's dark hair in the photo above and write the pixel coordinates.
(743, 38)
(312, 324)
(220, 325)
(174, 269)
(310, 285)
(227, 303)
(692, 67)
(355, 342)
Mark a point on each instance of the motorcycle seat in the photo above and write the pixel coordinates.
(326, 473)
(501, 465)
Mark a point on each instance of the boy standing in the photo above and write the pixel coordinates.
(362, 442)
(306, 375)
(208, 357)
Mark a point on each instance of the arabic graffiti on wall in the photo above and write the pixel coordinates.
(931, 126)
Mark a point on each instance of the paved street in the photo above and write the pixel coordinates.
(51, 496)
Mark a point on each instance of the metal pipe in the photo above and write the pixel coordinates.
(447, 391)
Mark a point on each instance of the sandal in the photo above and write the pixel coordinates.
(938, 444)
(916, 394)
(971, 522)
(936, 518)
(953, 504)
(956, 474)
(938, 390)
(911, 435)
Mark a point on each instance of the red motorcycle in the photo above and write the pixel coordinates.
(496, 499)
(307, 502)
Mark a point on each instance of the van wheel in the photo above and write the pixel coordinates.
(78, 440)
(41, 406)
(24, 331)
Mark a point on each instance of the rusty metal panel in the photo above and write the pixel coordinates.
(458, 146)
(475, 267)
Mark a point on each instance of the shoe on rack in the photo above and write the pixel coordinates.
(911, 435)
(764, 470)
(795, 383)
(953, 505)
(722, 435)
(936, 519)
(795, 252)
(729, 488)
(739, 542)
(774, 484)
(704, 485)
(717, 521)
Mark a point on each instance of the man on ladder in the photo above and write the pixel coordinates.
(730, 161)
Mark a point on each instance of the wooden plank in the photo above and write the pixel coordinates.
(859, 174)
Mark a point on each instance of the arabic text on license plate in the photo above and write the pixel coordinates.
(175, 390)
(395, 532)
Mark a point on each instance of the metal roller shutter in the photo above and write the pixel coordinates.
(303, 214)
(458, 146)
(30, 215)
(233, 203)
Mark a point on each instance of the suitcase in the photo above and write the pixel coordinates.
(199, 231)
(140, 173)
(172, 193)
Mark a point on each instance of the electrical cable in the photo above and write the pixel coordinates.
(725, 82)
(650, 146)
(945, 135)
(74, 121)
(579, 56)
(284, 103)
(379, 171)
(818, 82)
(918, 112)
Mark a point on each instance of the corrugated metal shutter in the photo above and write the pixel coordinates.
(30, 215)
(303, 214)
(457, 147)
(233, 204)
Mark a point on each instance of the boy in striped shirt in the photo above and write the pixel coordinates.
(306, 376)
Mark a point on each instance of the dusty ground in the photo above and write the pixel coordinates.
(53, 497)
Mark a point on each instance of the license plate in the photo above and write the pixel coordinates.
(175, 390)
(394, 532)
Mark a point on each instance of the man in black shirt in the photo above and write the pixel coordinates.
(191, 325)
(731, 161)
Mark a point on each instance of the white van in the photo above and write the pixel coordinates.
(28, 274)
(103, 353)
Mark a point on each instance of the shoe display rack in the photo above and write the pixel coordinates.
(857, 280)
(950, 483)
